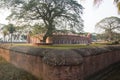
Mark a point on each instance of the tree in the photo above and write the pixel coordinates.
(38, 29)
(5, 32)
(10, 28)
(109, 25)
(54, 14)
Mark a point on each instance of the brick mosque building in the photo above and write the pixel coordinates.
(62, 39)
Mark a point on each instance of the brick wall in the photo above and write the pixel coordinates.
(50, 64)
(62, 39)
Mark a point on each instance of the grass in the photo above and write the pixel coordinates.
(65, 46)
(10, 72)
(62, 46)
(69, 46)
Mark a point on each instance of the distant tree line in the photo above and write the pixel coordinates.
(110, 28)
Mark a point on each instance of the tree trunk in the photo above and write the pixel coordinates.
(110, 36)
(44, 38)
(4, 39)
(48, 34)
(11, 39)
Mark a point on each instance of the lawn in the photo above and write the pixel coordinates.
(69, 46)
(10, 72)
(62, 46)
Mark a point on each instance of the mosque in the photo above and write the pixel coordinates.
(62, 39)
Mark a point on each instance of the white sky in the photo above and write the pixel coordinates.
(3, 14)
(91, 15)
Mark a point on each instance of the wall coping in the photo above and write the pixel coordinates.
(85, 52)
(53, 57)
(61, 57)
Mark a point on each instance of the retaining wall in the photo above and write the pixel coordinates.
(53, 64)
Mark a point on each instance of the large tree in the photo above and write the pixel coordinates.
(54, 14)
(109, 25)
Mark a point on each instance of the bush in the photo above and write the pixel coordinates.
(115, 42)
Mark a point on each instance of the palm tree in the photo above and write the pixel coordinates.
(5, 32)
(11, 29)
(8, 29)
(117, 3)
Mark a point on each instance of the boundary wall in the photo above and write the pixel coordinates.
(55, 64)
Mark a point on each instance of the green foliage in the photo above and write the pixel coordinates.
(54, 14)
(107, 43)
(115, 43)
(109, 27)
(38, 29)
(63, 46)
(5, 33)
(10, 28)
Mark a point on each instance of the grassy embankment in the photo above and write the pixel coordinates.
(62, 46)
(10, 72)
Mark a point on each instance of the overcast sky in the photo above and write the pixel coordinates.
(93, 14)
(3, 14)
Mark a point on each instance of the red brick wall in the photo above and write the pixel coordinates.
(37, 66)
(63, 39)
(93, 64)
(5, 54)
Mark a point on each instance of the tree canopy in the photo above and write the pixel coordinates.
(110, 26)
(52, 14)
(37, 29)
(8, 29)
